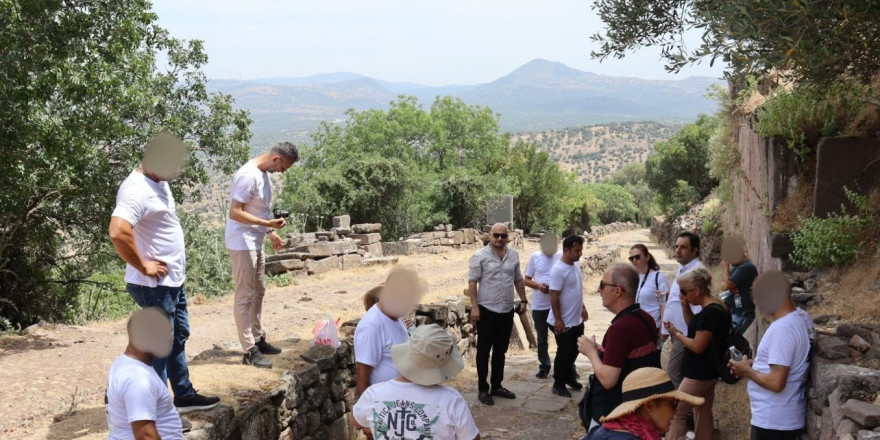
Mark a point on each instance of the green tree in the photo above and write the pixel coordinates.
(633, 178)
(81, 94)
(819, 41)
(616, 203)
(540, 187)
(684, 157)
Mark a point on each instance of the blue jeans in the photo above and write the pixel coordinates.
(173, 301)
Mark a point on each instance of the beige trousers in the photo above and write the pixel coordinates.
(249, 277)
(704, 427)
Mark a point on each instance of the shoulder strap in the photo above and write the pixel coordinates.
(657, 280)
(643, 283)
(650, 326)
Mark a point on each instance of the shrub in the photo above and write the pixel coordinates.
(835, 240)
(710, 216)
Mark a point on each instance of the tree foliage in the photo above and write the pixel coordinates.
(81, 94)
(816, 40)
(615, 202)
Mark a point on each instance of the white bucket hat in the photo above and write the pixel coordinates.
(429, 357)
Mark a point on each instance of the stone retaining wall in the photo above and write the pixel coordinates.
(666, 231)
(598, 231)
(443, 238)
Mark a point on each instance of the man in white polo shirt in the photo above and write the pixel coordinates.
(568, 313)
(250, 223)
(687, 253)
(537, 277)
(147, 234)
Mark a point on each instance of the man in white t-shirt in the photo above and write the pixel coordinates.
(147, 235)
(687, 253)
(537, 277)
(414, 405)
(568, 313)
(778, 376)
(139, 405)
(250, 222)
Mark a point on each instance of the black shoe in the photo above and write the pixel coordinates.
(255, 357)
(575, 385)
(186, 425)
(503, 392)
(197, 402)
(486, 398)
(267, 348)
(560, 391)
(542, 374)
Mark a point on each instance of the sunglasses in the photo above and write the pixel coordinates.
(634, 258)
(497, 235)
(602, 284)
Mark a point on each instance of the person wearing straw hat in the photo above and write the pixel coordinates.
(649, 403)
(414, 405)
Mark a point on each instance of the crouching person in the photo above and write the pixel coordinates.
(414, 404)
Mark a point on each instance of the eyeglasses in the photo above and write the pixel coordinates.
(602, 284)
(497, 235)
(634, 258)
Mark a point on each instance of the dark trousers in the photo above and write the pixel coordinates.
(173, 301)
(772, 434)
(566, 354)
(493, 335)
(541, 329)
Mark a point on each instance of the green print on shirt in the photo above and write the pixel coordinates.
(401, 417)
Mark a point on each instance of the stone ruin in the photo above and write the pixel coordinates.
(444, 238)
(345, 247)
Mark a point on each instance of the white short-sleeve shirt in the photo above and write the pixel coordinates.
(567, 279)
(538, 269)
(253, 188)
(672, 311)
(373, 338)
(786, 343)
(649, 285)
(135, 393)
(150, 209)
(405, 410)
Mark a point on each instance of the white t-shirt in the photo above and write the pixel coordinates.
(786, 343)
(404, 410)
(135, 392)
(538, 269)
(567, 279)
(373, 338)
(253, 188)
(150, 209)
(649, 285)
(672, 312)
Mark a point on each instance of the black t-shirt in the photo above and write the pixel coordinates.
(743, 275)
(713, 318)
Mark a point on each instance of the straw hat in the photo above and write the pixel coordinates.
(644, 385)
(429, 357)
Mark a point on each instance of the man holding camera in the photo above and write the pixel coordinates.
(250, 222)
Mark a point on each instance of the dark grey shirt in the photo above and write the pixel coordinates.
(495, 277)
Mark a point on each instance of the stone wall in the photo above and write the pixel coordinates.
(344, 247)
(443, 238)
(598, 231)
(312, 402)
(666, 232)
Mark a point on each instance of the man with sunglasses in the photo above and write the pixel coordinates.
(493, 276)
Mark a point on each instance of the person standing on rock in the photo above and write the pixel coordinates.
(687, 253)
(630, 343)
(493, 276)
(537, 277)
(778, 377)
(250, 222)
(147, 235)
(569, 313)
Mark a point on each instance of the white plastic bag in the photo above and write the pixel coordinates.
(326, 333)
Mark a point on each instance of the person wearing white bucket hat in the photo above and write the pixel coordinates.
(649, 403)
(414, 405)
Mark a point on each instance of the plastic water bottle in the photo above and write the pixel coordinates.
(735, 354)
(737, 299)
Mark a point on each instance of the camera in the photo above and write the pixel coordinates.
(280, 213)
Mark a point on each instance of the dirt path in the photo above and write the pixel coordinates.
(59, 372)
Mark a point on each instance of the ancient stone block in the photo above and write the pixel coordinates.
(287, 256)
(780, 245)
(859, 343)
(366, 239)
(457, 237)
(844, 162)
(863, 413)
(366, 228)
(282, 266)
(344, 247)
(847, 331)
(324, 356)
(321, 266)
(447, 242)
(316, 249)
(342, 221)
(380, 261)
(352, 261)
(307, 375)
(327, 235)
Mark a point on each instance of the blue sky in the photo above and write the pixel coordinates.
(429, 42)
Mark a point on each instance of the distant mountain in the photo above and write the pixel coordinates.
(540, 95)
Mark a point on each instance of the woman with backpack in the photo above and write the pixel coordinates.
(649, 403)
(706, 338)
(653, 285)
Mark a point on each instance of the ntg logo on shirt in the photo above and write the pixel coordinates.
(403, 420)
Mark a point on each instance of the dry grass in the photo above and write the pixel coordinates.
(847, 292)
(800, 204)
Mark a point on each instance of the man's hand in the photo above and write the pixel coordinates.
(277, 223)
(740, 368)
(545, 289)
(585, 314)
(475, 314)
(559, 327)
(276, 241)
(587, 346)
(155, 269)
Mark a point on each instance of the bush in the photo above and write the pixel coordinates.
(835, 240)
(710, 216)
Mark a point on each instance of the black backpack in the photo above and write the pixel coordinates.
(734, 339)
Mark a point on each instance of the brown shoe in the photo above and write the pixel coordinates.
(503, 392)
(486, 398)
